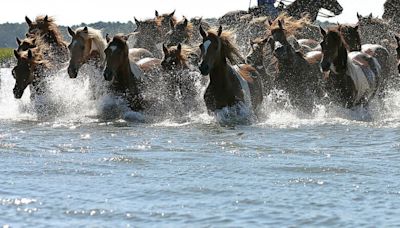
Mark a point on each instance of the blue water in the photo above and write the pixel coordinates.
(332, 169)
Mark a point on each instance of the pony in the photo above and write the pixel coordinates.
(296, 75)
(229, 85)
(349, 81)
(180, 33)
(176, 68)
(148, 35)
(398, 52)
(30, 70)
(125, 75)
(301, 8)
(46, 27)
(351, 36)
(165, 20)
(87, 45)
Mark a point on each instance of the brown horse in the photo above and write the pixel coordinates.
(46, 27)
(296, 75)
(27, 43)
(29, 71)
(87, 45)
(165, 20)
(229, 85)
(180, 33)
(148, 35)
(350, 82)
(124, 73)
(351, 36)
(398, 52)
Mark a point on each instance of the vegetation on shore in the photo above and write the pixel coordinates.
(5, 54)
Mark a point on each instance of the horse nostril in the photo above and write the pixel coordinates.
(204, 68)
(325, 65)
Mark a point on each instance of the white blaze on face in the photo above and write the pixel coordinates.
(113, 48)
(278, 45)
(206, 45)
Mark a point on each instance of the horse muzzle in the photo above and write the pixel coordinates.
(325, 66)
(108, 74)
(18, 93)
(72, 72)
(204, 69)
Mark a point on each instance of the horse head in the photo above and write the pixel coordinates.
(334, 49)
(351, 36)
(172, 57)
(23, 71)
(210, 50)
(116, 55)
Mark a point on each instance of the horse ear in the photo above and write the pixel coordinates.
(156, 13)
(85, 29)
(356, 27)
(18, 41)
(359, 16)
(71, 32)
(165, 49)
(370, 16)
(202, 32)
(171, 23)
(220, 30)
(185, 22)
(172, 14)
(323, 32)
(46, 18)
(16, 54)
(28, 21)
(280, 24)
(179, 48)
(30, 54)
(137, 22)
(108, 39)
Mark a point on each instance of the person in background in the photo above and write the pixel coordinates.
(268, 7)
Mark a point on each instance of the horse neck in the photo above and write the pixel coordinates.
(340, 62)
(219, 73)
(124, 72)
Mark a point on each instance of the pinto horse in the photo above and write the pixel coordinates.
(349, 81)
(87, 45)
(229, 85)
(46, 27)
(296, 75)
(29, 71)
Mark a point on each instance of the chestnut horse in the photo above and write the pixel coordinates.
(350, 82)
(229, 85)
(87, 45)
(30, 70)
(46, 27)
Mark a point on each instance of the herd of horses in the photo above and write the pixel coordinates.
(289, 53)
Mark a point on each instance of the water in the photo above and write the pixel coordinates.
(336, 168)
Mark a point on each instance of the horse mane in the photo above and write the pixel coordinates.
(38, 57)
(337, 35)
(291, 24)
(227, 45)
(97, 37)
(53, 28)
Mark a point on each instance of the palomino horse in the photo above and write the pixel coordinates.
(87, 45)
(398, 52)
(300, 8)
(296, 75)
(124, 73)
(29, 71)
(349, 81)
(229, 85)
(46, 27)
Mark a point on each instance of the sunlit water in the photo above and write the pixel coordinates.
(336, 168)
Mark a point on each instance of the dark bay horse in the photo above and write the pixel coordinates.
(87, 45)
(125, 75)
(349, 81)
(46, 27)
(296, 75)
(351, 37)
(301, 8)
(229, 85)
(30, 70)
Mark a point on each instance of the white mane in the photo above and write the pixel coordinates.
(97, 40)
